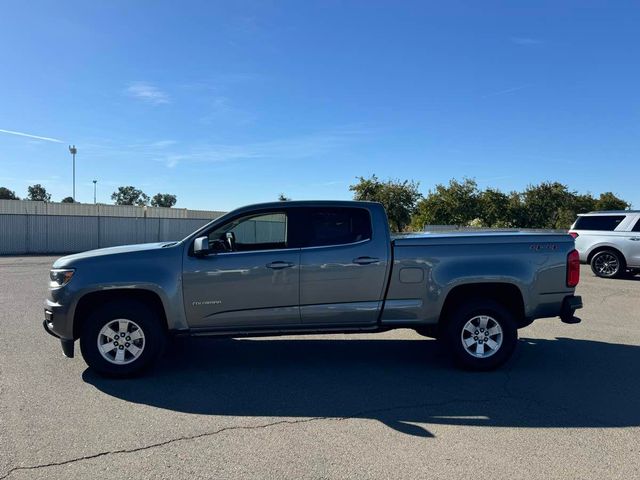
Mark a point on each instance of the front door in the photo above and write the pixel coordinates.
(250, 280)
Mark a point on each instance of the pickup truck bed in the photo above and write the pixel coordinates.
(528, 269)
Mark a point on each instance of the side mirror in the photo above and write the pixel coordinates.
(201, 246)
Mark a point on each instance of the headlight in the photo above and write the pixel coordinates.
(60, 276)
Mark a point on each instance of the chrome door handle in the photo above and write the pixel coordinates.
(636, 239)
(279, 265)
(366, 260)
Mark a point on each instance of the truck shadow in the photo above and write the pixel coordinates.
(548, 384)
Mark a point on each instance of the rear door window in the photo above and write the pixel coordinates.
(599, 222)
(636, 227)
(334, 226)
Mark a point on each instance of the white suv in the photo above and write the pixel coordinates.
(609, 241)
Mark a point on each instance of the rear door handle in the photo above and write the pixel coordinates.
(636, 239)
(366, 260)
(279, 265)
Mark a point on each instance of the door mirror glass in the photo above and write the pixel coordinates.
(201, 246)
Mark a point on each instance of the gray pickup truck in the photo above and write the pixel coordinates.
(310, 267)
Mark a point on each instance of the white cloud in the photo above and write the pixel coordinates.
(507, 90)
(305, 146)
(332, 183)
(158, 144)
(28, 135)
(147, 93)
(173, 153)
(163, 143)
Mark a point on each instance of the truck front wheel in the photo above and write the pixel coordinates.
(122, 338)
(481, 334)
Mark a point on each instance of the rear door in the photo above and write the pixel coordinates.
(600, 230)
(633, 242)
(343, 265)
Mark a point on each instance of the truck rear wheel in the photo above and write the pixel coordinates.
(481, 334)
(122, 338)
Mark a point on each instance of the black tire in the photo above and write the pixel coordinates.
(496, 313)
(138, 314)
(608, 264)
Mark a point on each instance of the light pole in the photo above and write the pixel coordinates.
(94, 191)
(73, 150)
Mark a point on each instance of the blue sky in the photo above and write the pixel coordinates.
(230, 103)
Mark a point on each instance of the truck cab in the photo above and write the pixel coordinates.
(288, 263)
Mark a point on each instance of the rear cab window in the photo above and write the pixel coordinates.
(320, 227)
(599, 222)
(636, 227)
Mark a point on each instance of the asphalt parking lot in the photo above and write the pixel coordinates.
(333, 406)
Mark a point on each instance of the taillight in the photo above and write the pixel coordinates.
(573, 268)
(574, 234)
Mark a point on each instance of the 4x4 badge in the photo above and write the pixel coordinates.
(543, 246)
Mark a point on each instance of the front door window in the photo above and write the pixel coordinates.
(266, 231)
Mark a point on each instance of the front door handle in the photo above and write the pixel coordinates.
(636, 239)
(366, 260)
(279, 265)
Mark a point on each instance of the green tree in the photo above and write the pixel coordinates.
(516, 213)
(130, 195)
(6, 194)
(609, 201)
(67, 200)
(163, 200)
(38, 193)
(548, 205)
(453, 204)
(493, 208)
(553, 205)
(576, 204)
(398, 197)
(584, 203)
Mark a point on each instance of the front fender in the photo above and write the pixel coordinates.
(157, 271)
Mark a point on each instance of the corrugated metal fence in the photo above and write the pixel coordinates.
(38, 227)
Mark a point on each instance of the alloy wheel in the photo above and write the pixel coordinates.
(121, 341)
(606, 264)
(481, 336)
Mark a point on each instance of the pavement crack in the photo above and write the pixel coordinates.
(361, 414)
(155, 445)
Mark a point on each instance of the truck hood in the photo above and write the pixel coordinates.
(70, 260)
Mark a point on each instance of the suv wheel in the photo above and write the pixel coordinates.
(607, 264)
(121, 339)
(482, 335)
